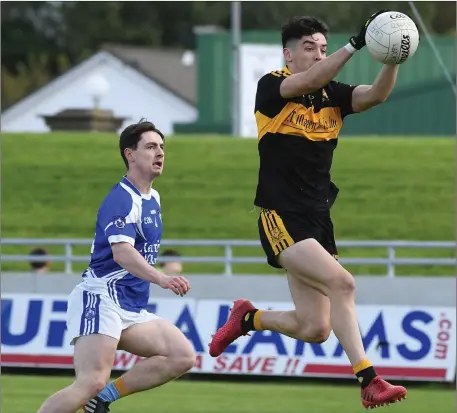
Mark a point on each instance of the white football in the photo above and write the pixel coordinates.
(392, 38)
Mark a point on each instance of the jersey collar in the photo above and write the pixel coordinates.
(286, 70)
(125, 181)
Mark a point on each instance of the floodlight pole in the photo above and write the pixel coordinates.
(447, 75)
(236, 41)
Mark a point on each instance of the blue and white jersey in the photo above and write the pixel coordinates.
(125, 215)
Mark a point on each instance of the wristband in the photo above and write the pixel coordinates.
(350, 48)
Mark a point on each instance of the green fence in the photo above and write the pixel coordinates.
(422, 102)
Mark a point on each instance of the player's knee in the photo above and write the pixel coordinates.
(318, 333)
(186, 359)
(343, 282)
(183, 359)
(187, 362)
(93, 385)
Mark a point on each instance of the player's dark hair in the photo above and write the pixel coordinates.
(297, 27)
(38, 252)
(131, 135)
(169, 253)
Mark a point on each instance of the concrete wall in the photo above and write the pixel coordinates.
(433, 291)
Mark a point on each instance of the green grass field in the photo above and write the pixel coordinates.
(391, 188)
(24, 394)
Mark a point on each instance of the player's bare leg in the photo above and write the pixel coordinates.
(93, 359)
(309, 321)
(307, 262)
(169, 354)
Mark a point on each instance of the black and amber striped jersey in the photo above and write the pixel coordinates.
(296, 140)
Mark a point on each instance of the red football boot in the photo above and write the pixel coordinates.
(231, 330)
(381, 393)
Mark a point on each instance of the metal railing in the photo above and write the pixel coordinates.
(391, 262)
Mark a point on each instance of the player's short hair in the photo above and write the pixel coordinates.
(169, 253)
(38, 252)
(300, 26)
(131, 135)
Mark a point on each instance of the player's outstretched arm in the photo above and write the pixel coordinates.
(366, 96)
(315, 77)
(131, 260)
(324, 71)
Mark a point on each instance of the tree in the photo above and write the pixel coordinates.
(50, 36)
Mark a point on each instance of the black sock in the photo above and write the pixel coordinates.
(365, 376)
(247, 324)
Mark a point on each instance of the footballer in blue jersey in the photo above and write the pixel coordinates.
(126, 215)
(107, 309)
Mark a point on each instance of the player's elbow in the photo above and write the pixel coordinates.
(117, 255)
(376, 95)
(119, 252)
(362, 105)
(377, 100)
(117, 258)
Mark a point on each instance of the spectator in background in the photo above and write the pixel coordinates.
(171, 267)
(39, 266)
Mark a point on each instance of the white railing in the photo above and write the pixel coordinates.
(391, 262)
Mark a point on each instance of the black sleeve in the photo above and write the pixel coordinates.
(342, 93)
(268, 97)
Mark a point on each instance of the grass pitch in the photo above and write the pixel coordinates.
(24, 394)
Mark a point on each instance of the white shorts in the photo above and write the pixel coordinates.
(90, 313)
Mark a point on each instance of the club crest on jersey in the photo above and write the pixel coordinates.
(119, 222)
(154, 212)
(90, 314)
(324, 96)
(276, 235)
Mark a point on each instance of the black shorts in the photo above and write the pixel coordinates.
(279, 231)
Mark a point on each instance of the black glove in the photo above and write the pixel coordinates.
(358, 41)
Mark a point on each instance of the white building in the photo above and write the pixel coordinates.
(159, 85)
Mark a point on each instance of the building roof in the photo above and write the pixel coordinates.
(79, 74)
(164, 66)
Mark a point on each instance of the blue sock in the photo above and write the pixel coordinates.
(109, 393)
